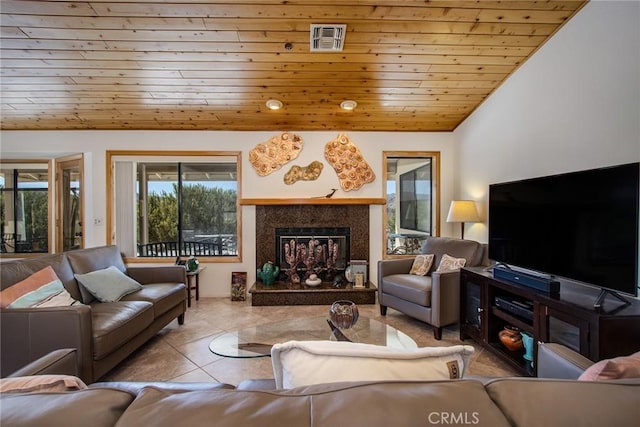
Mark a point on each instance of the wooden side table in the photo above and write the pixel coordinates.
(193, 282)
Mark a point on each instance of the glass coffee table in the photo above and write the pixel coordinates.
(257, 341)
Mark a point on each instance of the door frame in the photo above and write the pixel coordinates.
(62, 163)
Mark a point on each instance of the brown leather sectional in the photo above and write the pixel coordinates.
(102, 333)
(501, 402)
(496, 402)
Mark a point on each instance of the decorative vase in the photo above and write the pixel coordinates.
(192, 264)
(268, 273)
(510, 337)
(527, 340)
(348, 274)
(343, 314)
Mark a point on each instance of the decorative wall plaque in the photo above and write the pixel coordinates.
(303, 173)
(348, 162)
(270, 156)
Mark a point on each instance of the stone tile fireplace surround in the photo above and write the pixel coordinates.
(272, 217)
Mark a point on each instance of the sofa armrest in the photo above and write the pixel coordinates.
(387, 267)
(557, 361)
(58, 362)
(27, 334)
(160, 274)
(445, 297)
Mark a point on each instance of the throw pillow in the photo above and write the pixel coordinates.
(613, 369)
(421, 265)
(449, 263)
(301, 363)
(41, 384)
(108, 285)
(42, 289)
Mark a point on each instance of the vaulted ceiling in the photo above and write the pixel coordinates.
(410, 65)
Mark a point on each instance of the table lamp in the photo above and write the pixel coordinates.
(463, 211)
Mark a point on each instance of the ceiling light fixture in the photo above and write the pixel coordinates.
(348, 104)
(274, 104)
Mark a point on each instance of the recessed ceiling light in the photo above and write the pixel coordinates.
(274, 104)
(348, 104)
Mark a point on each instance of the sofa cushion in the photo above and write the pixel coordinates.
(164, 296)
(396, 403)
(15, 271)
(422, 264)
(409, 287)
(449, 263)
(41, 384)
(300, 363)
(108, 285)
(220, 408)
(86, 260)
(565, 402)
(468, 249)
(613, 369)
(115, 323)
(41, 289)
(95, 408)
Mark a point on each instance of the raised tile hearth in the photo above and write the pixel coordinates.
(325, 294)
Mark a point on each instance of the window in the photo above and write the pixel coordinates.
(412, 193)
(24, 208)
(177, 208)
(415, 199)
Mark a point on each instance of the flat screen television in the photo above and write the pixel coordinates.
(580, 225)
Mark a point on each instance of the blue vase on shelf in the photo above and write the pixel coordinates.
(527, 340)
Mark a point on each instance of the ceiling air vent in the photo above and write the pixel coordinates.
(327, 37)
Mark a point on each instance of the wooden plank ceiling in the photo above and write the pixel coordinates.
(410, 65)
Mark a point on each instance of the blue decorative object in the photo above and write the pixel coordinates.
(268, 273)
(527, 339)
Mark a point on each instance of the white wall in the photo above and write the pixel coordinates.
(216, 279)
(574, 105)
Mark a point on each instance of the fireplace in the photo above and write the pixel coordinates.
(346, 225)
(301, 251)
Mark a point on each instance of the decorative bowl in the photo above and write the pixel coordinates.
(511, 338)
(315, 282)
(343, 314)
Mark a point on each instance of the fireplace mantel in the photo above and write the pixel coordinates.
(314, 201)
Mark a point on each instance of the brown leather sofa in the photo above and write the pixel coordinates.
(102, 333)
(435, 297)
(497, 402)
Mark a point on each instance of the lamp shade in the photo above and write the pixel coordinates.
(463, 211)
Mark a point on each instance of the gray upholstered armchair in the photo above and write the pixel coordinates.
(435, 297)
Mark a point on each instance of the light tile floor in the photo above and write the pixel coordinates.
(181, 353)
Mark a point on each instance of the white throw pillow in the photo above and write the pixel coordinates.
(301, 363)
